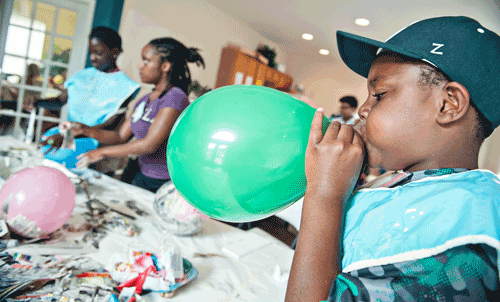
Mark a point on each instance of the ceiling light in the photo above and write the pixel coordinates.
(362, 22)
(307, 36)
(324, 52)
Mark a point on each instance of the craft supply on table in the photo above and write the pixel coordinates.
(68, 138)
(74, 277)
(8, 243)
(175, 214)
(144, 270)
(54, 276)
(4, 230)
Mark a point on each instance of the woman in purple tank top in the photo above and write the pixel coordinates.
(164, 64)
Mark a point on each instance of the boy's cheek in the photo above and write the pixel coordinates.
(373, 158)
(371, 132)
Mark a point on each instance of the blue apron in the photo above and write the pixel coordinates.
(421, 219)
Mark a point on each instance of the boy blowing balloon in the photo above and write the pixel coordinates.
(430, 231)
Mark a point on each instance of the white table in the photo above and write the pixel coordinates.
(249, 278)
(293, 214)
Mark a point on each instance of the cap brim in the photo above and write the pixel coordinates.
(358, 53)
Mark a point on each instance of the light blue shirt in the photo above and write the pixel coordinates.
(421, 219)
(94, 96)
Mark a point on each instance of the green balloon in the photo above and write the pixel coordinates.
(237, 153)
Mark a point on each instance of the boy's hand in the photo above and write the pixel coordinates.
(78, 129)
(333, 165)
(89, 158)
(55, 142)
(333, 161)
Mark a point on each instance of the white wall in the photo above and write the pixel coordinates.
(489, 156)
(195, 23)
(327, 82)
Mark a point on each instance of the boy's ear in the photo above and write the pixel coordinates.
(165, 66)
(115, 52)
(454, 103)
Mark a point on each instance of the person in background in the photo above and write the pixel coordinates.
(430, 231)
(165, 65)
(333, 115)
(348, 106)
(96, 96)
(9, 99)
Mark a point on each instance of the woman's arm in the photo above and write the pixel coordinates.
(115, 120)
(107, 137)
(157, 134)
(333, 164)
(53, 103)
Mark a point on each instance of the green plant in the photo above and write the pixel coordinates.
(268, 53)
(198, 89)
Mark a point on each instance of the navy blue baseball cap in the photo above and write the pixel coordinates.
(463, 49)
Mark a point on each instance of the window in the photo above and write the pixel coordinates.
(39, 41)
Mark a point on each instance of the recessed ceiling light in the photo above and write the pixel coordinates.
(324, 52)
(307, 36)
(362, 22)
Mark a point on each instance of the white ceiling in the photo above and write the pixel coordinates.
(284, 22)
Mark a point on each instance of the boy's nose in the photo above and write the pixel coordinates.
(364, 110)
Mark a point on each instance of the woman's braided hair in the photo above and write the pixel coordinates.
(178, 55)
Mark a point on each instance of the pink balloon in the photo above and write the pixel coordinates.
(37, 201)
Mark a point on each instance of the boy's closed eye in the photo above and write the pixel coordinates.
(378, 96)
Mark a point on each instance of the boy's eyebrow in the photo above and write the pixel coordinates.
(374, 81)
(385, 79)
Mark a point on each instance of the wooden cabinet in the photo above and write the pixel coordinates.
(236, 67)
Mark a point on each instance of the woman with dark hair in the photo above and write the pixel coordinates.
(96, 95)
(165, 65)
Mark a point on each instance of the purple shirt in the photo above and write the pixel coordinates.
(154, 165)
